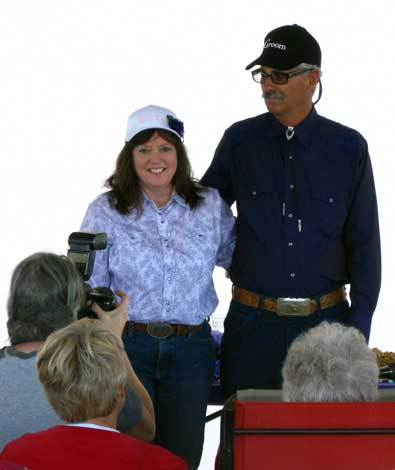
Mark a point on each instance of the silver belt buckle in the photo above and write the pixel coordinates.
(159, 330)
(289, 306)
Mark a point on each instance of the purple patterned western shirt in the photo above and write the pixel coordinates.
(164, 258)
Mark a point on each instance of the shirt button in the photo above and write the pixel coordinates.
(292, 274)
(331, 200)
(290, 215)
(162, 221)
(290, 244)
(254, 193)
(291, 186)
(290, 157)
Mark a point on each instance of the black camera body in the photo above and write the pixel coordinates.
(82, 251)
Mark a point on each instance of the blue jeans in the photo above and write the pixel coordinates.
(255, 343)
(177, 372)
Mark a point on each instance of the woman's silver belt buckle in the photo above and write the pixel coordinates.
(289, 306)
(159, 330)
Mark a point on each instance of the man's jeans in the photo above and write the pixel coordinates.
(255, 343)
(177, 371)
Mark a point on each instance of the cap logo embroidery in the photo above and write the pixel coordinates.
(149, 118)
(276, 45)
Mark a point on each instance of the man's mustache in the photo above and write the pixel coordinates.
(273, 95)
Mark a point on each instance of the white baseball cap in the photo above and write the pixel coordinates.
(153, 117)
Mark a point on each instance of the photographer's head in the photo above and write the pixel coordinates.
(82, 371)
(330, 362)
(46, 293)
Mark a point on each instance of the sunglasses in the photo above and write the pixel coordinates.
(277, 77)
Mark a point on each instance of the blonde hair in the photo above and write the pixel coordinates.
(82, 371)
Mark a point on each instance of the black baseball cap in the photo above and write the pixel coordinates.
(288, 46)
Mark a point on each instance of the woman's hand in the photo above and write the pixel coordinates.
(115, 319)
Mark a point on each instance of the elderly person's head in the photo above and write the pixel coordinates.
(153, 160)
(330, 362)
(46, 294)
(289, 70)
(82, 370)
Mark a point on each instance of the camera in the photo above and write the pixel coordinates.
(82, 252)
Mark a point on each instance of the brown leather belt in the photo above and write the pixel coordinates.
(163, 330)
(284, 306)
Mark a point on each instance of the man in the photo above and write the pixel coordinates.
(307, 217)
(82, 370)
(46, 294)
(330, 362)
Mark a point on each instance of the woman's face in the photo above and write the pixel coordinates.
(155, 163)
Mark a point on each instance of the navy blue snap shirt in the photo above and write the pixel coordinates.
(307, 211)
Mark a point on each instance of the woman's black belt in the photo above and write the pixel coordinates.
(163, 330)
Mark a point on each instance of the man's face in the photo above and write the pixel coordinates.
(289, 103)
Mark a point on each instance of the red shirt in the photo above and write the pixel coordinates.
(73, 448)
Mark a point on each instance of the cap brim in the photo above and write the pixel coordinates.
(275, 61)
(256, 62)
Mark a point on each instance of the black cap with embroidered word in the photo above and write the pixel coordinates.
(288, 46)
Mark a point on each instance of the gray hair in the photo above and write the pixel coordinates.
(46, 293)
(303, 65)
(330, 362)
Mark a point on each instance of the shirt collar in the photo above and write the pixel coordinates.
(175, 197)
(303, 131)
(92, 426)
(179, 199)
(11, 351)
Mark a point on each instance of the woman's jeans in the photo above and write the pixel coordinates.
(177, 372)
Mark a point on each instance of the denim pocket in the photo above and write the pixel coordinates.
(203, 335)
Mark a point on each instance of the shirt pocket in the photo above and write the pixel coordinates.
(260, 207)
(135, 237)
(201, 242)
(329, 210)
(130, 253)
(195, 253)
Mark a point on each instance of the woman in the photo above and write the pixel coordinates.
(46, 294)
(165, 235)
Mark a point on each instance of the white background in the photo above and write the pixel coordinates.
(72, 71)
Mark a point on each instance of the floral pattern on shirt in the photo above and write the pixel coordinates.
(164, 258)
